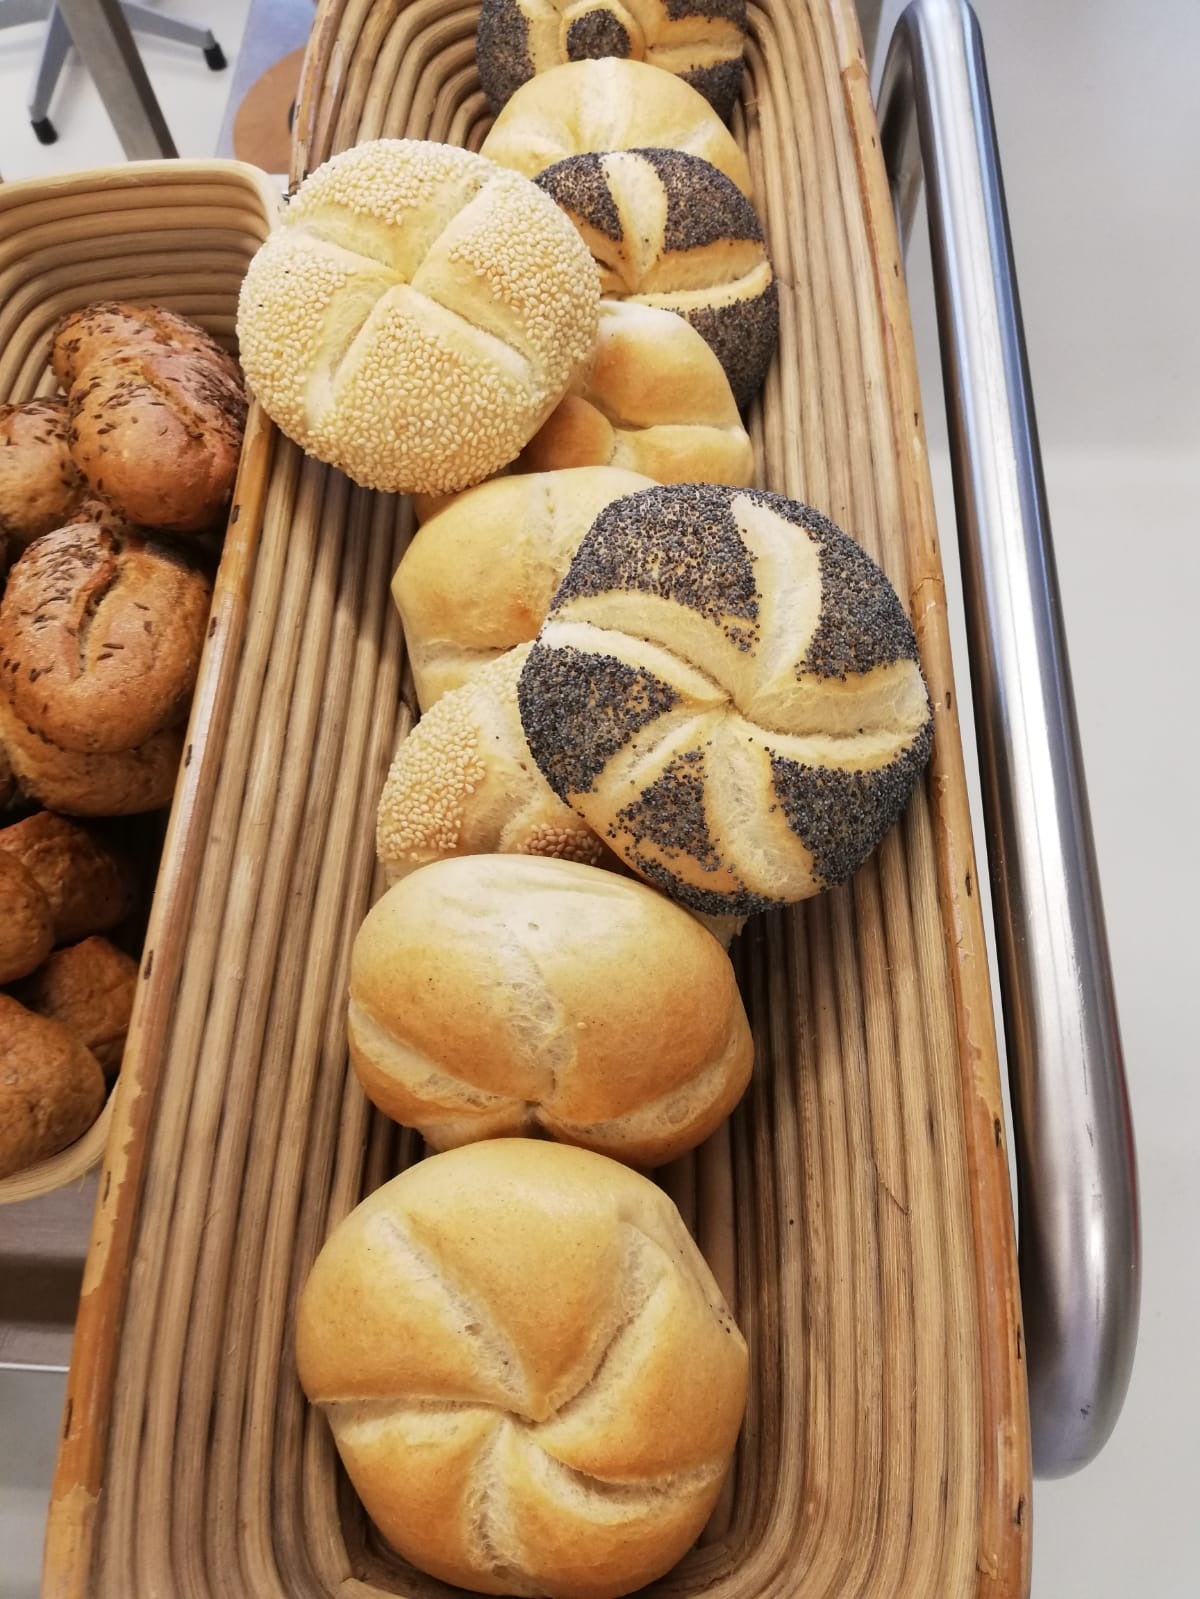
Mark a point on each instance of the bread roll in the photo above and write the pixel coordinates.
(51, 1088)
(464, 783)
(40, 486)
(699, 40)
(655, 400)
(88, 882)
(609, 105)
(78, 784)
(157, 412)
(417, 315)
(10, 789)
(667, 229)
(26, 931)
(499, 995)
(479, 576)
(89, 989)
(100, 638)
(727, 689)
(531, 1376)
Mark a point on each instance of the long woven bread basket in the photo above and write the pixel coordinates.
(178, 234)
(856, 1209)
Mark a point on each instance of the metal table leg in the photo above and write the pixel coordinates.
(100, 32)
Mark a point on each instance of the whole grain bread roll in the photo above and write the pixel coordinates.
(479, 575)
(26, 930)
(40, 485)
(100, 638)
(89, 883)
(727, 690)
(417, 316)
(157, 411)
(700, 41)
(464, 783)
(51, 1087)
(89, 989)
(667, 229)
(530, 1373)
(610, 105)
(654, 400)
(79, 784)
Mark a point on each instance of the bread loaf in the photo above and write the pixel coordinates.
(609, 105)
(667, 229)
(499, 995)
(51, 1088)
(655, 400)
(100, 638)
(479, 576)
(40, 485)
(79, 784)
(157, 410)
(417, 316)
(88, 882)
(464, 783)
(89, 989)
(727, 690)
(699, 40)
(531, 1376)
(26, 931)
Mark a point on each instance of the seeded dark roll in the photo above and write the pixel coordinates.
(700, 41)
(727, 690)
(667, 229)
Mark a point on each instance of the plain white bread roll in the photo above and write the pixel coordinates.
(700, 40)
(464, 783)
(503, 994)
(727, 690)
(416, 315)
(531, 1376)
(479, 576)
(654, 399)
(610, 105)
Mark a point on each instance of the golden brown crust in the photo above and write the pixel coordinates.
(40, 486)
(51, 1087)
(531, 1375)
(502, 994)
(156, 413)
(100, 638)
(79, 784)
(10, 789)
(89, 884)
(89, 989)
(26, 931)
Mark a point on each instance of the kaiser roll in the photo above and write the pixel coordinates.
(699, 40)
(479, 576)
(100, 638)
(464, 783)
(40, 485)
(417, 315)
(157, 410)
(667, 229)
(654, 400)
(610, 105)
(500, 994)
(89, 988)
(51, 1087)
(531, 1376)
(727, 690)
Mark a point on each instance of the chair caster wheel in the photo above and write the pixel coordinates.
(44, 131)
(214, 56)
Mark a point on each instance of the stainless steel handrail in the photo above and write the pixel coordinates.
(1076, 1172)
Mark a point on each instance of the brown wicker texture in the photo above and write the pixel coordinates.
(174, 233)
(856, 1208)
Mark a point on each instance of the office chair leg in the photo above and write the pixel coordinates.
(143, 20)
(54, 53)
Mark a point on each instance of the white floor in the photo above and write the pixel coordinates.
(1094, 101)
